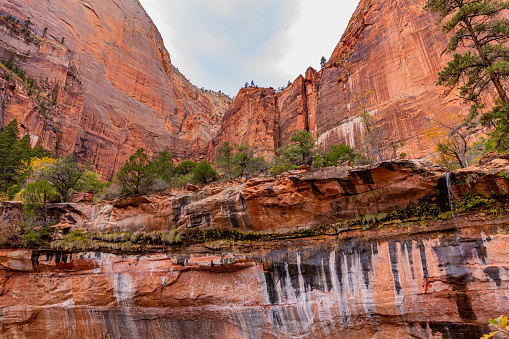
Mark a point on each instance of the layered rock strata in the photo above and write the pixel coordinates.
(282, 204)
(393, 49)
(429, 279)
(105, 80)
(294, 201)
(421, 284)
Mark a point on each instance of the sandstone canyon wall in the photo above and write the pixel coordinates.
(419, 285)
(393, 48)
(412, 278)
(105, 80)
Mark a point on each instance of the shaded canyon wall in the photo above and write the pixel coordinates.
(416, 286)
(106, 81)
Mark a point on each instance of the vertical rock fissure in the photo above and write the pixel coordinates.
(230, 209)
(305, 105)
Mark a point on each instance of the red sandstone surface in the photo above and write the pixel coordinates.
(441, 279)
(393, 48)
(115, 87)
(422, 285)
(296, 200)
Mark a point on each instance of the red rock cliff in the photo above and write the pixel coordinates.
(109, 79)
(253, 118)
(422, 285)
(393, 48)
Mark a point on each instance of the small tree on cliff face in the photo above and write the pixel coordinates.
(323, 62)
(66, 175)
(478, 25)
(300, 150)
(163, 166)
(305, 145)
(242, 159)
(203, 172)
(225, 159)
(137, 174)
(337, 156)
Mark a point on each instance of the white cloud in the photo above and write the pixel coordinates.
(220, 44)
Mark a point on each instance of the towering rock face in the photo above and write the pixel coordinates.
(266, 119)
(396, 50)
(253, 118)
(393, 49)
(109, 82)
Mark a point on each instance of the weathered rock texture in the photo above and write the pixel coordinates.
(114, 87)
(265, 119)
(284, 204)
(441, 279)
(430, 285)
(253, 118)
(393, 48)
(289, 202)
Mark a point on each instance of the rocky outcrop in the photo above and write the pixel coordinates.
(105, 81)
(413, 278)
(294, 201)
(422, 284)
(282, 204)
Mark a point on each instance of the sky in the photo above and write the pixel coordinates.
(221, 44)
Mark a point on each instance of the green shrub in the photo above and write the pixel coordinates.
(32, 238)
(203, 172)
(184, 168)
(137, 174)
(336, 156)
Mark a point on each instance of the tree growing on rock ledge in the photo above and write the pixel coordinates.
(203, 172)
(137, 174)
(479, 26)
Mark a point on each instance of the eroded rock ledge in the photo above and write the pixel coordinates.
(420, 278)
(297, 200)
(420, 284)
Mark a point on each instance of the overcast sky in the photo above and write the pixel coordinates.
(221, 44)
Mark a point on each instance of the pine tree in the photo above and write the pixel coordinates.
(163, 166)
(13, 151)
(323, 62)
(203, 172)
(66, 175)
(242, 159)
(306, 146)
(478, 25)
(8, 136)
(137, 175)
(225, 159)
(185, 167)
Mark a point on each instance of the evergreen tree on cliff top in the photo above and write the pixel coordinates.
(479, 26)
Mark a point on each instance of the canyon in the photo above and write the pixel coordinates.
(105, 83)
(395, 249)
(393, 50)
